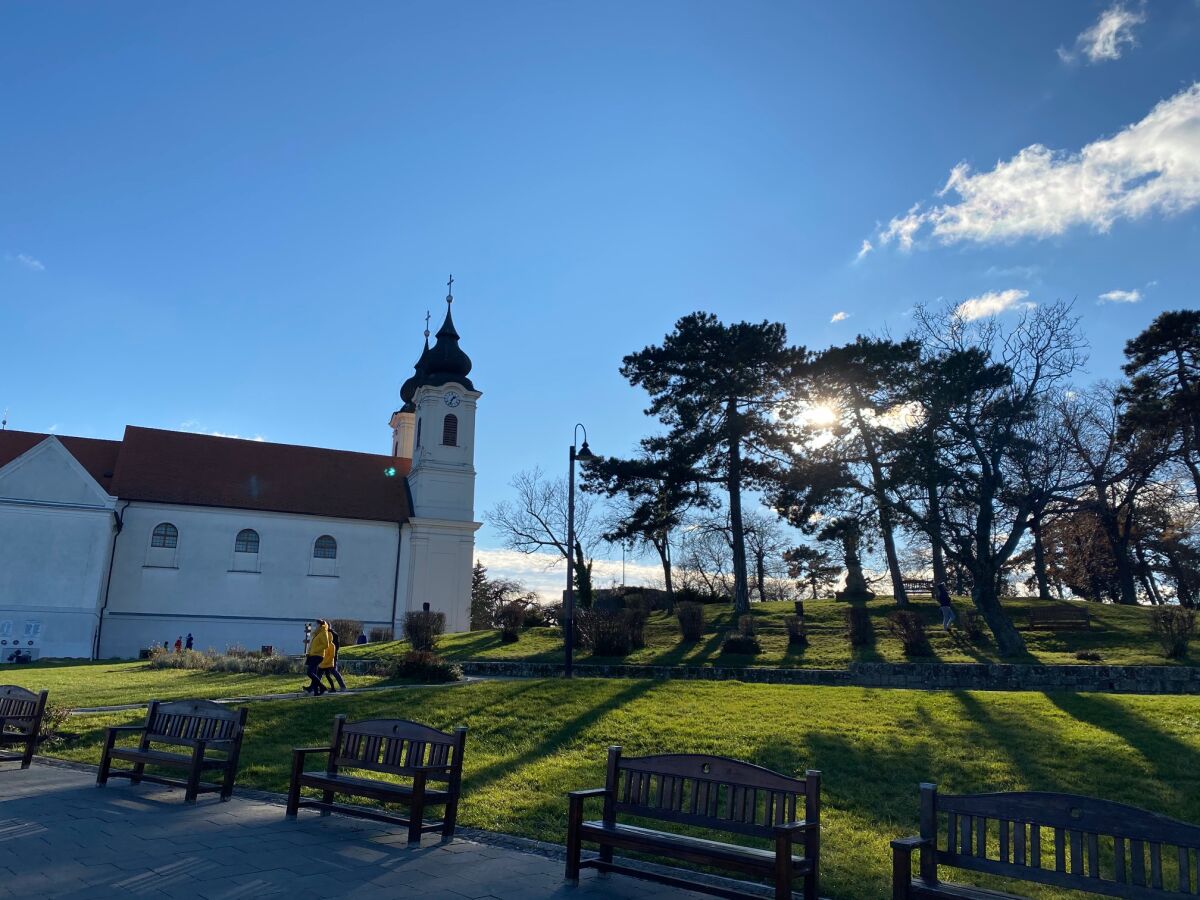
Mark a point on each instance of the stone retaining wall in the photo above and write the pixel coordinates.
(928, 676)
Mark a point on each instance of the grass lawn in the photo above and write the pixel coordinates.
(531, 741)
(1121, 635)
(74, 683)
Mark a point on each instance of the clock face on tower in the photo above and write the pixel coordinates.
(452, 399)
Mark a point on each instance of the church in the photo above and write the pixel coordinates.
(109, 547)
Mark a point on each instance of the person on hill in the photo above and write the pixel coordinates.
(314, 656)
(362, 638)
(187, 644)
(179, 644)
(331, 671)
(948, 614)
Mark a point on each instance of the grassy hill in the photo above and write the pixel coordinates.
(1120, 635)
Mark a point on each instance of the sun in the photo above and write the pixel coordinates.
(821, 415)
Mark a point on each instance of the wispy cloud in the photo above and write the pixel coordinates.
(866, 248)
(26, 261)
(1106, 39)
(194, 427)
(545, 573)
(1029, 273)
(993, 303)
(839, 316)
(1121, 296)
(1150, 167)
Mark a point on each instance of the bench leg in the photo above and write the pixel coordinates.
(30, 746)
(327, 797)
(416, 810)
(574, 844)
(783, 867)
(450, 818)
(193, 782)
(227, 783)
(138, 769)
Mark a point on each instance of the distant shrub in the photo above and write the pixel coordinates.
(688, 594)
(347, 630)
(1088, 656)
(245, 661)
(537, 616)
(428, 668)
(910, 628)
(54, 717)
(511, 617)
(858, 626)
(974, 626)
(379, 633)
(608, 632)
(635, 624)
(691, 620)
(1174, 627)
(797, 631)
(423, 628)
(741, 643)
(747, 625)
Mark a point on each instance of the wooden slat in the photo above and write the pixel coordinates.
(1184, 870)
(1060, 851)
(1019, 844)
(1156, 879)
(1035, 845)
(1093, 855)
(1119, 871)
(1005, 828)
(1137, 862)
(952, 833)
(981, 837)
(1076, 839)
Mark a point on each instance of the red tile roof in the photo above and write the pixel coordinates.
(97, 456)
(150, 464)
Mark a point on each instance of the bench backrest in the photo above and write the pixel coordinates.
(712, 792)
(19, 706)
(1081, 843)
(193, 720)
(397, 747)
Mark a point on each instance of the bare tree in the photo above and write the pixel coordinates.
(535, 520)
(766, 543)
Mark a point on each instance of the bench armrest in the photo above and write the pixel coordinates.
(115, 729)
(793, 827)
(580, 796)
(304, 751)
(909, 844)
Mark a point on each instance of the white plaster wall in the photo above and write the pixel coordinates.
(443, 478)
(437, 560)
(200, 591)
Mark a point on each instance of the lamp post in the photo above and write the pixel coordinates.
(585, 454)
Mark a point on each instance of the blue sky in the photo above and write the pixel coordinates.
(235, 215)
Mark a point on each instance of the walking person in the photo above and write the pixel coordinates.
(949, 616)
(179, 644)
(332, 671)
(314, 656)
(187, 644)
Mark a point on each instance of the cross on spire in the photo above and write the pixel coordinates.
(450, 290)
(426, 324)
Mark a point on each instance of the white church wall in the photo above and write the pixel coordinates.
(205, 590)
(56, 527)
(438, 558)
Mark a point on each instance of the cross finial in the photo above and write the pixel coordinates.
(450, 290)
(427, 324)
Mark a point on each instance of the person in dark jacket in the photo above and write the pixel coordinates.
(187, 644)
(362, 638)
(331, 672)
(948, 614)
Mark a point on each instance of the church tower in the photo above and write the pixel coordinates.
(436, 426)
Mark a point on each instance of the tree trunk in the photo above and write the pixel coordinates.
(741, 590)
(664, 554)
(987, 600)
(885, 514)
(760, 575)
(1039, 558)
(934, 502)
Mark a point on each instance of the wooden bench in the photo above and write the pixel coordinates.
(21, 714)
(1078, 843)
(199, 725)
(916, 586)
(1058, 618)
(390, 747)
(708, 792)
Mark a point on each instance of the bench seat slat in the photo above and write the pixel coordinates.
(162, 758)
(367, 787)
(686, 847)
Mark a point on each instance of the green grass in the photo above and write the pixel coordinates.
(1120, 634)
(531, 741)
(73, 683)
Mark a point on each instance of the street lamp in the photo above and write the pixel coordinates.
(585, 454)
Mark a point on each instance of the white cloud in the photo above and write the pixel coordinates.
(194, 427)
(1121, 296)
(1106, 38)
(1152, 166)
(866, 248)
(29, 262)
(1027, 272)
(839, 316)
(993, 303)
(546, 573)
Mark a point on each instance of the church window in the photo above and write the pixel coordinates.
(325, 548)
(165, 535)
(247, 541)
(417, 442)
(450, 430)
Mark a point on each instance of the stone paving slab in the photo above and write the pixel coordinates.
(61, 836)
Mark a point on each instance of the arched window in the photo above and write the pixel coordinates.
(247, 541)
(450, 430)
(417, 442)
(325, 548)
(165, 535)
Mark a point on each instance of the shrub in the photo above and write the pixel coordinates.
(348, 630)
(974, 626)
(537, 616)
(54, 717)
(910, 628)
(691, 620)
(741, 643)
(245, 662)
(607, 632)
(428, 668)
(1174, 627)
(1088, 655)
(511, 617)
(635, 624)
(379, 633)
(423, 629)
(797, 631)
(858, 626)
(688, 594)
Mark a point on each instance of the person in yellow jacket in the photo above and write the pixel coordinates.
(319, 649)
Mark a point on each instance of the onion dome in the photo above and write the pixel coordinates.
(408, 390)
(446, 362)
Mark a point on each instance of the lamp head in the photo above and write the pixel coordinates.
(585, 452)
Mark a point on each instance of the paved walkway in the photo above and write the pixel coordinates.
(61, 836)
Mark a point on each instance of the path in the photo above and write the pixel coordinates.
(61, 836)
